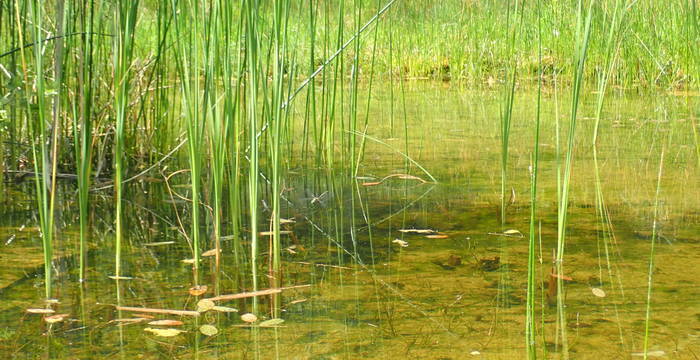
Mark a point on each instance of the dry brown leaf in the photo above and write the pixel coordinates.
(417, 231)
(166, 322)
(40, 311)
(270, 233)
(437, 236)
(198, 290)
(563, 277)
(224, 309)
(164, 332)
(249, 318)
(598, 292)
(55, 318)
(211, 252)
(400, 242)
(145, 316)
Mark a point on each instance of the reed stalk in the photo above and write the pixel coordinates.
(123, 47)
(583, 31)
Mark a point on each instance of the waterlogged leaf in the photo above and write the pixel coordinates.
(166, 323)
(208, 330)
(55, 318)
(437, 236)
(164, 332)
(211, 252)
(205, 305)
(40, 311)
(271, 322)
(400, 242)
(249, 318)
(224, 309)
(598, 292)
(417, 231)
(198, 290)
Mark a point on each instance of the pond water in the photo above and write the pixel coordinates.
(458, 295)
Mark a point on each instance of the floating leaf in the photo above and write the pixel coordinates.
(198, 290)
(211, 252)
(400, 242)
(164, 332)
(437, 236)
(224, 309)
(417, 231)
(55, 318)
(371, 183)
(208, 330)
(513, 232)
(271, 322)
(249, 318)
(40, 311)
(166, 323)
(204, 305)
(598, 292)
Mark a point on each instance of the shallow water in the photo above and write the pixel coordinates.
(368, 296)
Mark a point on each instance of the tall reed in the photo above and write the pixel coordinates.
(250, 12)
(123, 47)
(83, 127)
(530, 331)
(40, 131)
(652, 253)
(583, 31)
(513, 25)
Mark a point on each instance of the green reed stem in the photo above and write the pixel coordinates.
(652, 252)
(125, 25)
(583, 31)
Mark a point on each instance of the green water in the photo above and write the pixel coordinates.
(369, 297)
